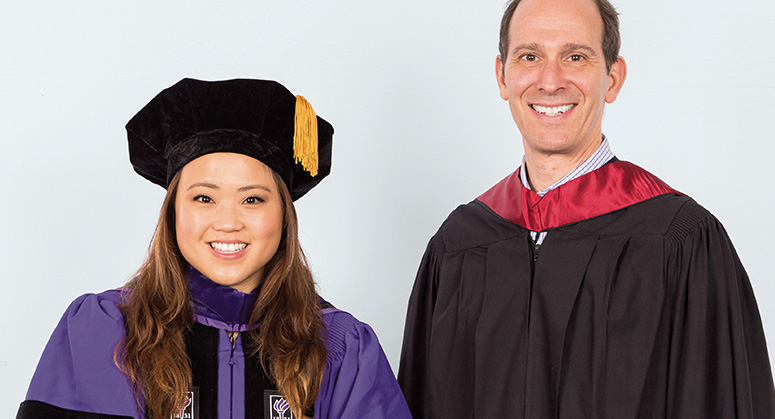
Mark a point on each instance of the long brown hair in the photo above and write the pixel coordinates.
(158, 313)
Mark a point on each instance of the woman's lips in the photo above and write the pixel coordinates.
(228, 250)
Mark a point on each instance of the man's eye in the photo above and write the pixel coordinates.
(529, 57)
(203, 199)
(576, 57)
(253, 200)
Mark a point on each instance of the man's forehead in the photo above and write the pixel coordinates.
(575, 6)
(557, 22)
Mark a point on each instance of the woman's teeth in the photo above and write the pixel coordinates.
(228, 247)
(552, 110)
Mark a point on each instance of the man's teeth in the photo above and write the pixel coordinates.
(228, 247)
(552, 110)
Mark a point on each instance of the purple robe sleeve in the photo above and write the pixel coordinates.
(76, 371)
(358, 381)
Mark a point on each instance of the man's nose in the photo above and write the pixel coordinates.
(551, 78)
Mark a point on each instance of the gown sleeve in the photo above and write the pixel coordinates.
(76, 377)
(718, 365)
(413, 371)
(358, 381)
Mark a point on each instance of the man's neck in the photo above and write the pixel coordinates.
(545, 169)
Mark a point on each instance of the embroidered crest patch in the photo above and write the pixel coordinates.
(275, 406)
(191, 410)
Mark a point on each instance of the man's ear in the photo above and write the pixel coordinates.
(616, 79)
(501, 78)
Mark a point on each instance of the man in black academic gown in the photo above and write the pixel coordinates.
(580, 286)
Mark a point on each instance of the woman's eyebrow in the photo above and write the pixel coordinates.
(203, 185)
(216, 187)
(256, 186)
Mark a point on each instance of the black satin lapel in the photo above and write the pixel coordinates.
(559, 273)
(502, 331)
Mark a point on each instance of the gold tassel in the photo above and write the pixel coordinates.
(305, 136)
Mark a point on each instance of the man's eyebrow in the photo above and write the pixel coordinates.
(566, 48)
(529, 47)
(580, 47)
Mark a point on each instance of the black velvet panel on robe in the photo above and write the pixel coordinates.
(256, 381)
(202, 347)
(645, 312)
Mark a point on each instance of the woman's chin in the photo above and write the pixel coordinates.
(241, 283)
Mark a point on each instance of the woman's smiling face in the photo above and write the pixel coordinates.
(228, 218)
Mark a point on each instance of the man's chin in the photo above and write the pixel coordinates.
(549, 143)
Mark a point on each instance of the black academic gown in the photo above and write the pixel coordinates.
(635, 306)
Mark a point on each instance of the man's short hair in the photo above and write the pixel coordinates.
(611, 38)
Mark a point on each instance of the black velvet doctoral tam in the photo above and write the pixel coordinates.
(252, 117)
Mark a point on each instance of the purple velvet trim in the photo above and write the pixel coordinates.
(243, 327)
(219, 302)
(238, 380)
(225, 371)
(231, 377)
(224, 326)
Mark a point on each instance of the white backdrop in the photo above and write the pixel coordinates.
(409, 86)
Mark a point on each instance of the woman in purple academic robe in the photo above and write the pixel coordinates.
(222, 320)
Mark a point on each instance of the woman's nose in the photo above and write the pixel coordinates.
(228, 218)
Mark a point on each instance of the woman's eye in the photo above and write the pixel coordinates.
(203, 199)
(253, 200)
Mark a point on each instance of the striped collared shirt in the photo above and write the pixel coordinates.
(594, 162)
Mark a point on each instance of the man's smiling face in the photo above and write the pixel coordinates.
(555, 75)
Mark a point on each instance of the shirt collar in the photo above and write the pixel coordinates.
(600, 157)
